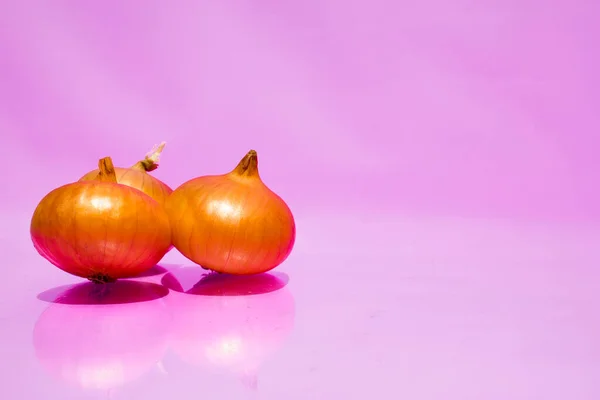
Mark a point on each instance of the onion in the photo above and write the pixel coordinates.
(99, 229)
(102, 337)
(232, 223)
(138, 177)
(229, 323)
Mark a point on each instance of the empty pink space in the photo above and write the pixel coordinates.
(439, 157)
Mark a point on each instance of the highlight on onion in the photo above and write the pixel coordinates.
(232, 223)
(99, 229)
(228, 323)
(103, 336)
(137, 176)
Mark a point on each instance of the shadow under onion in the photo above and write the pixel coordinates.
(119, 292)
(196, 282)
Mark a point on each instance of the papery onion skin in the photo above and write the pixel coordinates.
(137, 176)
(100, 230)
(232, 223)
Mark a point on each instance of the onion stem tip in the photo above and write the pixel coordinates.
(248, 166)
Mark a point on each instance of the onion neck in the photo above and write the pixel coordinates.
(150, 162)
(107, 171)
(248, 166)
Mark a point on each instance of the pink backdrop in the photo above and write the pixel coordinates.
(453, 107)
(440, 158)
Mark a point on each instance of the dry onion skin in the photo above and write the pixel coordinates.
(232, 223)
(100, 230)
(137, 176)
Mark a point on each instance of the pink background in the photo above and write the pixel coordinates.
(440, 158)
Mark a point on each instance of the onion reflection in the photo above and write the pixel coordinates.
(229, 322)
(102, 336)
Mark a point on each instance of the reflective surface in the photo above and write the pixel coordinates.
(440, 158)
(440, 309)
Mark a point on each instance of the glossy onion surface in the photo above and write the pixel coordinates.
(100, 230)
(232, 223)
(138, 177)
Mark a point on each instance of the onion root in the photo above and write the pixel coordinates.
(100, 278)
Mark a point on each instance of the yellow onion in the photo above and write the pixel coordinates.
(99, 229)
(137, 176)
(232, 223)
